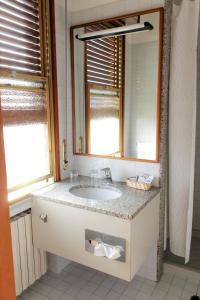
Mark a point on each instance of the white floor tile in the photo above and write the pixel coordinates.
(77, 282)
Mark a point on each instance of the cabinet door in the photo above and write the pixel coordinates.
(63, 234)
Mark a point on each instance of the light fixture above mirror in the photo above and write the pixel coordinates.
(115, 31)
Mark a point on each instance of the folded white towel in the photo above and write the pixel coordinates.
(145, 178)
(109, 251)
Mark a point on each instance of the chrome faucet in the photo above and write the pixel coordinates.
(106, 175)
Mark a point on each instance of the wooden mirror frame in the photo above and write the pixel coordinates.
(160, 10)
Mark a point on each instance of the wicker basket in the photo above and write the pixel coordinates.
(138, 185)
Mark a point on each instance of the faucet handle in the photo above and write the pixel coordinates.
(107, 173)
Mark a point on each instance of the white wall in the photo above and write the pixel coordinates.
(120, 169)
(64, 106)
(79, 74)
(128, 99)
(113, 9)
(56, 263)
(75, 5)
(140, 102)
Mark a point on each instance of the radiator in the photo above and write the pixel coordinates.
(29, 262)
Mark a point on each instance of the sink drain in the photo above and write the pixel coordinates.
(195, 297)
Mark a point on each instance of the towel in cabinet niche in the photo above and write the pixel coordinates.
(60, 229)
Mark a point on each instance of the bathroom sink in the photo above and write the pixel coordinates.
(95, 193)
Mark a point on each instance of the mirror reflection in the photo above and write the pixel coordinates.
(116, 92)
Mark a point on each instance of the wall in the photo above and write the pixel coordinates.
(64, 106)
(140, 103)
(196, 220)
(79, 74)
(113, 9)
(120, 169)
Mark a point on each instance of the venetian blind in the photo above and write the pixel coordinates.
(25, 72)
(23, 102)
(20, 48)
(104, 104)
(104, 58)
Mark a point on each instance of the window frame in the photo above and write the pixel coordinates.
(49, 77)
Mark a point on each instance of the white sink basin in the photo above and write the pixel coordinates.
(95, 193)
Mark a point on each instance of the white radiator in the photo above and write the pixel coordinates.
(29, 262)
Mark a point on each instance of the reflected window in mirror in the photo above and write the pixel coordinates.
(103, 67)
(104, 121)
(116, 88)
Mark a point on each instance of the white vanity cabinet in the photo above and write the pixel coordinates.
(63, 233)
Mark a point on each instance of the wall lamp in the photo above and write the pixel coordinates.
(116, 31)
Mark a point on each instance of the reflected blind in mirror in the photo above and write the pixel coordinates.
(104, 104)
(104, 58)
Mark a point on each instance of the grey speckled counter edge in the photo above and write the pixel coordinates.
(126, 206)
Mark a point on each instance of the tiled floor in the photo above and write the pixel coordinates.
(79, 282)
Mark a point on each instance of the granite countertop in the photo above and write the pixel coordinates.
(126, 206)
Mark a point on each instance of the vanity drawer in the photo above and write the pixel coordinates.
(63, 234)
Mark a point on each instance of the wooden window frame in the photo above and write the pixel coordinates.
(54, 84)
(52, 91)
(159, 10)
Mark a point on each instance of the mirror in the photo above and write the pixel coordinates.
(116, 79)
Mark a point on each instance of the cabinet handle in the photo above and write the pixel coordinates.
(44, 217)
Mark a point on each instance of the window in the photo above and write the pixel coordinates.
(26, 94)
(104, 75)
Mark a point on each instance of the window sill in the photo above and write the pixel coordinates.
(24, 202)
(20, 206)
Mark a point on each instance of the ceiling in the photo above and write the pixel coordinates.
(76, 5)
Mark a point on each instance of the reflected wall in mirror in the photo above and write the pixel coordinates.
(116, 81)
